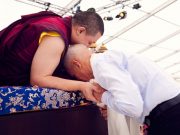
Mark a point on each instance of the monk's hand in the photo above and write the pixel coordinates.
(87, 89)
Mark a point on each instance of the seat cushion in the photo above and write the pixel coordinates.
(27, 98)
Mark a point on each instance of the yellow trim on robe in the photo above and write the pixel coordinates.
(50, 33)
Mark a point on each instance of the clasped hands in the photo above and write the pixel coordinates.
(93, 92)
(97, 91)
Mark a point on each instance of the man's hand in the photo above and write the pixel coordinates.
(98, 96)
(98, 93)
(103, 111)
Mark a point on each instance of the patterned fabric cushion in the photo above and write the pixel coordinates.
(20, 99)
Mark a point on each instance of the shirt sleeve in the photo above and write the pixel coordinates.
(122, 93)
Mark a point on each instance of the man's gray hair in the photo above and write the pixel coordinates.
(73, 52)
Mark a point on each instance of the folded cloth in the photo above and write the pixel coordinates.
(27, 98)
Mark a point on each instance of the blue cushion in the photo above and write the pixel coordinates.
(20, 99)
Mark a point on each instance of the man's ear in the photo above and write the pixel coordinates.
(77, 65)
(80, 30)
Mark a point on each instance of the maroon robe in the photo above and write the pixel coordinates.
(20, 40)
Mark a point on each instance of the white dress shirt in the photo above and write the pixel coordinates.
(134, 85)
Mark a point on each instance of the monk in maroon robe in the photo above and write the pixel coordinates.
(27, 58)
(19, 43)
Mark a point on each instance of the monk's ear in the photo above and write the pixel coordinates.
(77, 65)
(80, 30)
